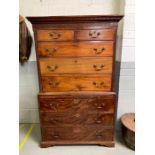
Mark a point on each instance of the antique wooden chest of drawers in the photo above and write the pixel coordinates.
(76, 69)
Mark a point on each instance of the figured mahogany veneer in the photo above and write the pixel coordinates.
(105, 34)
(76, 83)
(72, 102)
(55, 35)
(75, 49)
(76, 69)
(76, 118)
(75, 65)
(85, 134)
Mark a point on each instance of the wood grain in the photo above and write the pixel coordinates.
(74, 101)
(75, 65)
(128, 120)
(55, 35)
(75, 49)
(76, 118)
(128, 129)
(76, 83)
(78, 133)
(103, 34)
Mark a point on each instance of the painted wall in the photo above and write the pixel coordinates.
(28, 73)
(128, 43)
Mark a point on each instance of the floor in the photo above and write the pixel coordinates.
(29, 138)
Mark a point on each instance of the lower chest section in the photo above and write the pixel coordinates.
(77, 116)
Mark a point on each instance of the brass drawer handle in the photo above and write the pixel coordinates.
(53, 106)
(53, 83)
(56, 136)
(98, 68)
(98, 135)
(101, 106)
(55, 35)
(98, 85)
(51, 51)
(94, 34)
(98, 51)
(76, 101)
(52, 68)
(54, 119)
(77, 115)
(98, 121)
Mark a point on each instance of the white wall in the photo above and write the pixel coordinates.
(68, 7)
(128, 44)
(28, 72)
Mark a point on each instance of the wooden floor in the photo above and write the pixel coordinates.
(29, 138)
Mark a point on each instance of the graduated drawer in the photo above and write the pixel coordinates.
(73, 102)
(99, 34)
(77, 133)
(76, 83)
(55, 35)
(79, 117)
(75, 65)
(70, 49)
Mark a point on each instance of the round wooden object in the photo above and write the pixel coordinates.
(128, 129)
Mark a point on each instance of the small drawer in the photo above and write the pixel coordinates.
(73, 102)
(76, 83)
(55, 35)
(75, 65)
(78, 49)
(87, 133)
(78, 117)
(100, 34)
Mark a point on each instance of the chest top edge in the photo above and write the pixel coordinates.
(73, 19)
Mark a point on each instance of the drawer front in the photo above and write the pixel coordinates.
(76, 83)
(73, 103)
(55, 35)
(100, 34)
(78, 117)
(75, 65)
(68, 49)
(89, 133)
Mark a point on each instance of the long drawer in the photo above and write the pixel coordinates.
(78, 117)
(75, 65)
(77, 133)
(75, 101)
(76, 83)
(75, 49)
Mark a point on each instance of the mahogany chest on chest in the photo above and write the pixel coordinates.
(76, 69)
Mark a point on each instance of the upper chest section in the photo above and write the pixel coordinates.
(75, 32)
